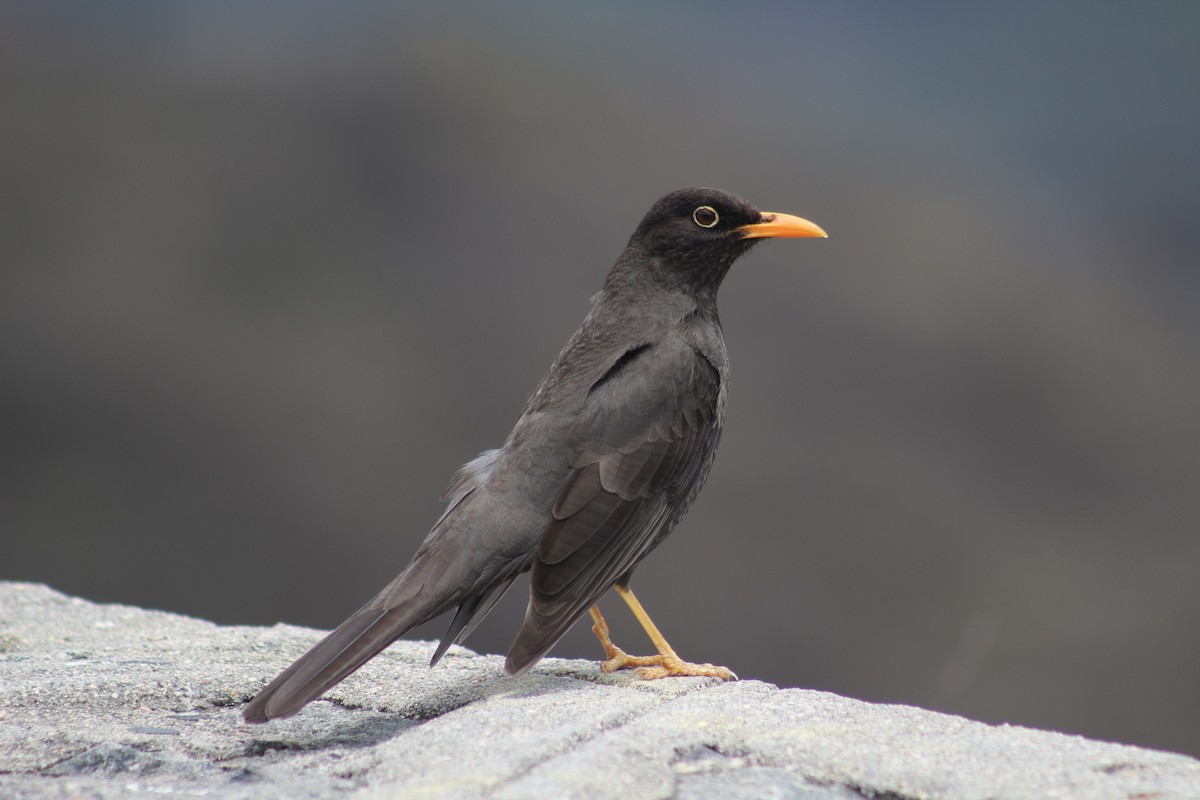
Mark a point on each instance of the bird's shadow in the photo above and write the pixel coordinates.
(330, 729)
(361, 733)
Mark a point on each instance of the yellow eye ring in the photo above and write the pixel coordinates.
(706, 217)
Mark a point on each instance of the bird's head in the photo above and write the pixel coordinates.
(693, 236)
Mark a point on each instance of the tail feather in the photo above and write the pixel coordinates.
(453, 567)
(347, 648)
(470, 613)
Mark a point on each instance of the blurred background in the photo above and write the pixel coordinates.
(270, 272)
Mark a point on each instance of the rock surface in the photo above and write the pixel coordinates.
(104, 701)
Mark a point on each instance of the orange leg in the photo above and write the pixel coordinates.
(665, 664)
(616, 657)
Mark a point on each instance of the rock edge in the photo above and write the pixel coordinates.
(105, 701)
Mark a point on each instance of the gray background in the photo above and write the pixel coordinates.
(270, 273)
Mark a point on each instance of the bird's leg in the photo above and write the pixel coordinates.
(616, 657)
(663, 665)
(600, 628)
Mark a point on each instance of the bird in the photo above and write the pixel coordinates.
(609, 453)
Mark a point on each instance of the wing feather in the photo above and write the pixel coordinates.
(625, 492)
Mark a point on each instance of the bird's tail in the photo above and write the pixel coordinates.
(450, 569)
(368, 631)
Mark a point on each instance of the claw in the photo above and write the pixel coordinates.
(649, 668)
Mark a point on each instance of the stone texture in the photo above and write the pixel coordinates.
(103, 701)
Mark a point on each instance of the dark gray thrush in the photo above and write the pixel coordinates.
(608, 455)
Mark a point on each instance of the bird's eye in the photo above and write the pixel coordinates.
(705, 217)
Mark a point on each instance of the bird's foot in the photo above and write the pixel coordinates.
(649, 668)
(619, 659)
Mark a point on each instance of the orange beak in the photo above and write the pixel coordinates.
(781, 226)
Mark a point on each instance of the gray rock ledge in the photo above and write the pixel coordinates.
(102, 701)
